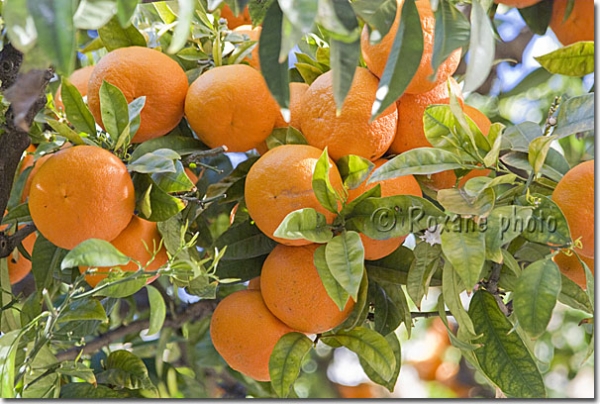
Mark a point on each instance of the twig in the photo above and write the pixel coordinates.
(9, 243)
(193, 312)
(197, 156)
(427, 314)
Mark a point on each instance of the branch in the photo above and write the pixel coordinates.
(197, 156)
(428, 314)
(195, 311)
(9, 243)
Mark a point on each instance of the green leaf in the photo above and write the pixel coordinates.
(77, 369)
(161, 160)
(503, 225)
(20, 27)
(534, 79)
(90, 391)
(427, 261)
(520, 160)
(403, 60)
(393, 216)
(55, 31)
(179, 144)
(359, 313)
(45, 261)
(452, 287)
(575, 60)
(269, 45)
(321, 184)
(114, 36)
(285, 361)
(65, 131)
(158, 310)
(504, 358)
(390, 383)
(535, 296)
(244, 269)
(538, 150)
(125, 370)
(344, 58)
(77, 112)
(345, 257)
(466, 252)
(481, 48)
(153, 203)
(181, 32)
(8, 355)
(96, 253)
(573, 296)
(338, 20)
(173, 182)
(370, 346)
(420, 161)
(300, 13)
(391, 307)
(457, 200)
(126, 10)
(575, 115)
(120, 285)
(547, 225)
(83, 309)
(379, 14)
(393, 268)
(244, 241)
(94, 14)
(374, 192)
(282, 136)
(452, 32)
(354, 170)
(521, 135)
(114, 109)
(537, 17)
(337, 293)
(462, 339)
(305, 224)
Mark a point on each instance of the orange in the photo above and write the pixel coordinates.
(19, 266)
(137, 72)
(580, 24)
(254, 283)
(297, 90)
(376, 56)
(244, 332)
(362, 390)
(234, 21)
(79, 78)
(81, 192)
(253, 34)
(36, 167)
(231, 106)
(350, 132)
(574, 195)
(27, 159)
(280, 182)
(405, 185)
(570, 266)
(294, 293)
(517, 3)
(138, 241)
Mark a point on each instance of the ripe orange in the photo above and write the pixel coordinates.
(232, 106)
(297, 91)
(235, 21)
(254, 283)
(574, 195)
(350, 132)
(27, 159)
(294, 293)
(517, 3)
(254, 34)
(138, 241)
(572, 268)
(81, 192)
(405, 185)
(280, 182)
(18, 265)
(137, 72)
(580, 24)
(36, 167)
(79, 78)
(376, 56)
(244, 332)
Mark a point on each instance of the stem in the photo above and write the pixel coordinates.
(427, 314)
(197, 156)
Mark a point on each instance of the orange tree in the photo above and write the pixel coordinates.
(499, 251)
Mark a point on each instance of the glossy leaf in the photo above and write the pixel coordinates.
(345, 257)
(537, 17)
(161, 160)
(574, 60)
(114, 36)
(321, 184)
(244, 241)
(504, 358)
(452, 286)
(466, 252)
(285, 361)
(158, 310)
(354, 170)
(65, 131)
(452, 32)
(94, 14)
(379, 14)
(182, 29)
(90, 391)
(305, 224)
(427, 261)
(20, 27)
(344, 57)
(535, 296)
(521, 135)
(94, 252)
(337, 293)
(503, 225)
(8, 353)
(125, 370)
(403, 60)
(419, 161)
(538, 150)
(575, 115)
(114, 108)
(82, 310)
(77, 369)
(77, 112)
(370, 346)
(173, 182)
(392, 268)
(281, 136)
(55, 31)
(548, 224)
(45, 260)
(573, 296)
(481, 48)
(390, 306)
(457, 200)
(390, 383)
